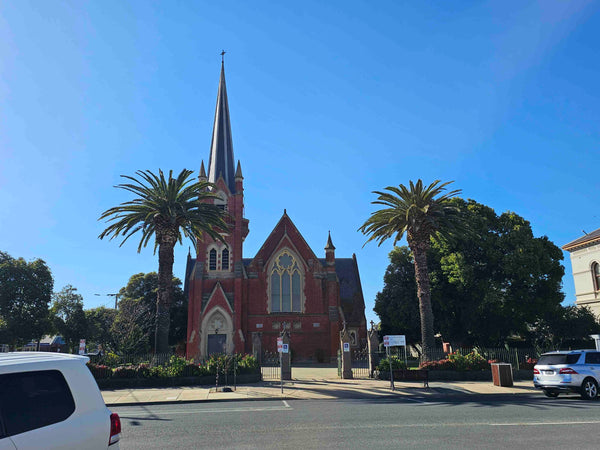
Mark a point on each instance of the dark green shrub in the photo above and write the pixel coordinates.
(397, 364)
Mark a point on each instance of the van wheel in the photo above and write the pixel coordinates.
(550, 393)
(589, 389)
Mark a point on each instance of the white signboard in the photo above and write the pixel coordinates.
(285, 348)
(346, 346)
(81, 346)
(394, 340)
(279, 344)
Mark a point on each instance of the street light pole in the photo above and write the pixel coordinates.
(116, 296)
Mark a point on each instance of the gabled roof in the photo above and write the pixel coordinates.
(220, 163)
(285, 228)
(584, 241)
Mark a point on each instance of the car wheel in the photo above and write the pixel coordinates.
(589, 389)
(550, 393)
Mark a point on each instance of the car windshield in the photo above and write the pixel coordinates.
(560, 358)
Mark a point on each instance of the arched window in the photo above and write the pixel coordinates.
(596, 276)
(286, 280)
(225, 259)
(212, 260)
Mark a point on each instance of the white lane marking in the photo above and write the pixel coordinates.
(286, 404)
(535, 424)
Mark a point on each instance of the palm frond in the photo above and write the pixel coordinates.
(418, 210)
(164, 205)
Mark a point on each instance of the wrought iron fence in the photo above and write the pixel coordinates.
(516, 356)
(113, 360)
(270, 366)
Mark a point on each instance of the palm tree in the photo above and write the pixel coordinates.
(165, 209)
(421, 213)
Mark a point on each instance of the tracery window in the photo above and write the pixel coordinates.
(286, 284)
(225, 259)
(596, 276)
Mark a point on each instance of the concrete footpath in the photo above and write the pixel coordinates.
(314, 384)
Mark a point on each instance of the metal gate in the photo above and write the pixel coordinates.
(269, 366)
(360, 363)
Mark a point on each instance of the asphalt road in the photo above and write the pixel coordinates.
(466, 422)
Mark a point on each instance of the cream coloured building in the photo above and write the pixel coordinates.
(585, 260)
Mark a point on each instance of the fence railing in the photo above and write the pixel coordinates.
(111, 359)
(269, 366)
(515, 356)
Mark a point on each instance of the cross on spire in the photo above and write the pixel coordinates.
(223, 55)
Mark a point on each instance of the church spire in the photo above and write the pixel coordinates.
(221, 160)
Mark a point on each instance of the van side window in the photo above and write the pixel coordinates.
(31, 400)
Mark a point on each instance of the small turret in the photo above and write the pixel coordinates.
(330, 253)
(202, 176)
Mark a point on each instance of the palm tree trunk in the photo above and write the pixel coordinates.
(164, 294)
(419, 250)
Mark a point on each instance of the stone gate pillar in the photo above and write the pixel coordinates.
(373, 346)
(286, 359)
(346, 354)
(257, 346)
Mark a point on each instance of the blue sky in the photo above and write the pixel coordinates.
(329, 101)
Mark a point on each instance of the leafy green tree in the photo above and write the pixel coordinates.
(140, 299)
(397, 305)
(165, 209)
(487, 289)
(495, 286)
(565, 326)
(100, 321)
(132, 326)
(422, 213)
(67, 316)
(25, 292)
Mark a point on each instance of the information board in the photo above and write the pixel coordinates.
(394, 340)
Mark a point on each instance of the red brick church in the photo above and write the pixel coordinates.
(239, 304)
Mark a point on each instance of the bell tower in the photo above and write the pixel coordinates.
(218, 272)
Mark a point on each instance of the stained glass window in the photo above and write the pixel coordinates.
(225, 260)
(286, 284)
(212, 260)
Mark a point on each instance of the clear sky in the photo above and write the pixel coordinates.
(329, 101)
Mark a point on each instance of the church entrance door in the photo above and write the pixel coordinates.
(217, 343)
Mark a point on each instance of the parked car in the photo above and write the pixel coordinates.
(568, 371)
(51, 401)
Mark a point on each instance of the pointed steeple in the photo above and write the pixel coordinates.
(221, 147)
(202, 172)
(238, 171)
(329, 245)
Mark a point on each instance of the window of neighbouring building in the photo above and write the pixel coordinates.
(286, 284)
(596, 276)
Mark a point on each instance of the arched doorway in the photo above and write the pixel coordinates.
(217, 333)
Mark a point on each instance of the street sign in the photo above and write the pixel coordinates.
(81, 346)
(279, 344)
(394, 340)
(285, 348)
(346, 347)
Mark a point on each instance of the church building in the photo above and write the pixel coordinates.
(241, 305)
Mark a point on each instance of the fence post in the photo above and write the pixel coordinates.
(373, 343)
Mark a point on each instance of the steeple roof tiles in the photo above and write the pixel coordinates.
(221, 162)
